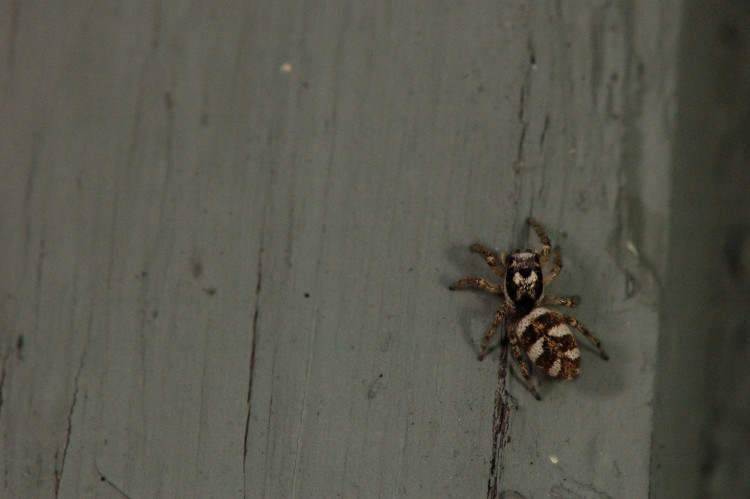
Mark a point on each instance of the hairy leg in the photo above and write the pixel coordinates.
(546, 244)
(496, 267)
(477, 282)
(491, 330)
(572, 321)
(555, 270)
(525, 371)
(563, 301)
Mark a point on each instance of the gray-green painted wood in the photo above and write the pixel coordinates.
(702, 409)
(228, 230)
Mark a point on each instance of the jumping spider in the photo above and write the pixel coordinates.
(544, 334)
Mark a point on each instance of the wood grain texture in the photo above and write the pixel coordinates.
(228, 231)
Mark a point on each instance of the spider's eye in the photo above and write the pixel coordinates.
(536, 258)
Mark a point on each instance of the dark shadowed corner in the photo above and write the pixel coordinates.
(703, 387)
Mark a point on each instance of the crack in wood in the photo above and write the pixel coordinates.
(544, 131)
(109, 482)
(3, 373)
(501, 418)
(259, 277)
(524, 126)
(525, 88)
(59, 471)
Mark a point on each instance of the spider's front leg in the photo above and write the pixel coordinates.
(478, 282)
(546, 244)
(555, 270)
(498, 269)
(491, 330)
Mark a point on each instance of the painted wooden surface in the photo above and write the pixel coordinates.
(702, 403)
(228, 231)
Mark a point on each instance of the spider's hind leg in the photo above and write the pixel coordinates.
(525, 371)
(573, 322)
(563, 301)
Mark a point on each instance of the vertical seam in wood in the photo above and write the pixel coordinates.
(500, 425)
(337, 58)
(3, 374)
(259, 276)
(12, 39)
(69, 431)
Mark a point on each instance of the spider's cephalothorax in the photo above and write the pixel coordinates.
(524, 283)
(544, 334)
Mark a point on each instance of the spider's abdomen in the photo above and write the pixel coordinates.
(549, 343)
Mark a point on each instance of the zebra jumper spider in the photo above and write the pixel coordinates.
(543, 334)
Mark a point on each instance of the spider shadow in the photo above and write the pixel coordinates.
(599, 377)
(474, 323)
